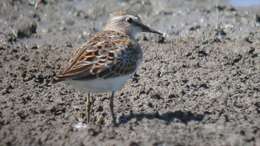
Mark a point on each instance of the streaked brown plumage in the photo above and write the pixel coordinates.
(108, 59)
(108, 54)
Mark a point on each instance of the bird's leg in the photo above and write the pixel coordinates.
(111, 105)
(88, 107)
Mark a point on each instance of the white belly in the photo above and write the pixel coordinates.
(99, 85)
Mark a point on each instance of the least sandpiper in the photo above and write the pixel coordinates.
(108, 59)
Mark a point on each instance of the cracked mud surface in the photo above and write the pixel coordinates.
(201, 86)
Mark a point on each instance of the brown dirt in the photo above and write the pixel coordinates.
(200, 87)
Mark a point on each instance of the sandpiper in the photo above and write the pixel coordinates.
(107, 60)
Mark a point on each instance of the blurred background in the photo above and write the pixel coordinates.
(75, 19)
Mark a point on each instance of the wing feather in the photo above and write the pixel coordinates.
(107, 54)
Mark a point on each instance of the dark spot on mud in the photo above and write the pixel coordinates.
(133, 143)
(258, 18)
(156, 96)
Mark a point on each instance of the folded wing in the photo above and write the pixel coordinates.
(106, 55)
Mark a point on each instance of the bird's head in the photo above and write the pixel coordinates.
(129, 24)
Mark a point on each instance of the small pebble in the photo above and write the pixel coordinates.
(79, 125)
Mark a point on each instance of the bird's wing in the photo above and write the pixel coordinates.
(107, 54)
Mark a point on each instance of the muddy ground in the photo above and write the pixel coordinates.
(199, 87)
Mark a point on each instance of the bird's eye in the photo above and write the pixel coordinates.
(129, 20)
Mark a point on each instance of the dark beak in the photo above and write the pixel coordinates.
(146, 28)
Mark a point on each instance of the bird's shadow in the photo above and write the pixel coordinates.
(168, 117)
